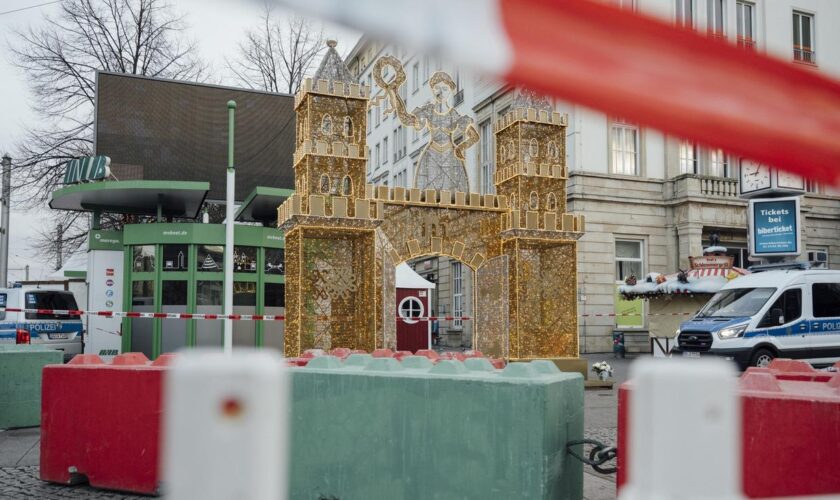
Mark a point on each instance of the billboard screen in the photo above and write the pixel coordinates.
(166, 130)
(774, 227)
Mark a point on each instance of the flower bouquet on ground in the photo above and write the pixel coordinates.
(602, 369)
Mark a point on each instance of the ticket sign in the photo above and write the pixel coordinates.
(775, 227)
(89, 168)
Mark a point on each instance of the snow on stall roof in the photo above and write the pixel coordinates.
(408, 278)
(700, 281)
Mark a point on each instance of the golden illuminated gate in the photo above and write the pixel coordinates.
(344, 238)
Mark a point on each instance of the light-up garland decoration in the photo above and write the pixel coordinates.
(344, 238)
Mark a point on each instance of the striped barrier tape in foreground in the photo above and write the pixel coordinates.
(268, 317)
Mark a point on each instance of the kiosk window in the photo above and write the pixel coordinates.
(826, 300)
(275, 261)
(143, 258)
(174, 293)
(3, 305)
(208, 293)
(244, 259)
(174, 257)
(275, 295)
(210, 258)
(790, 303)
(143, 293)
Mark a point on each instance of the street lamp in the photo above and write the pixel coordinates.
(231, 182)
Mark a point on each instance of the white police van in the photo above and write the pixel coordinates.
(756, 318)
(57, 331)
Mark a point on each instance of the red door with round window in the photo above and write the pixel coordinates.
(412, 334)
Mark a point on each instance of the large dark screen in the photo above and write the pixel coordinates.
(165, 130)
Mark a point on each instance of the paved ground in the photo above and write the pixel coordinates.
(19, 451)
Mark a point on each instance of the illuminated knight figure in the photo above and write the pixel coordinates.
(441, 164)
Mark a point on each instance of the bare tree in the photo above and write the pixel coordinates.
(277, 56)
(61, 58)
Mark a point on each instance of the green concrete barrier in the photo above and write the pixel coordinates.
(378, 428)
(20, 383)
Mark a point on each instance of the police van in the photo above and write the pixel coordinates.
(790, 313)
(57, 331)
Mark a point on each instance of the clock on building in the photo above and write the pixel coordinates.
(789, 181)
(761, 180)
(755, 178)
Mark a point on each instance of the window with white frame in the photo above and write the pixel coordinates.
(812, 186)
(745, 18)
(685, 13)
(624, 148)
(629, 260)
(803, 37)
(718, 163)
(415, 77)
(369, 119)
(369, 162)
(457, 293)
(415, 135)
(384, 150)
(486, 153)
(688, 157)
(378, 157)
(378, 116)
(717, 17)
(425, 69)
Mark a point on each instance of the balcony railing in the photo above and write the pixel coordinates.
(746, 42)
(804, 54)
(459, 97)
(691, 185)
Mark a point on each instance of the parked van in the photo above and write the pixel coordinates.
(756, 318)
(57, 331)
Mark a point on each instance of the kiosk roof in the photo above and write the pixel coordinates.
(261, 205)
(176, 198)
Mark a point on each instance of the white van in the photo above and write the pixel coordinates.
(57, 331)
(771, 314)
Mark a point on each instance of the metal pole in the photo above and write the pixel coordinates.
(59, 247)
(229, 199)
(4, 220)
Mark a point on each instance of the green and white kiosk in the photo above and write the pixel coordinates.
(177, 267)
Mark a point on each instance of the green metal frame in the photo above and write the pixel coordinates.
(192, 235)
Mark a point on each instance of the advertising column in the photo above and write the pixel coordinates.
(105, 289)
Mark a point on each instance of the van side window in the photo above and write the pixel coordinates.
(826, 300)
(3, 305)
(790, 303)
(45, 299)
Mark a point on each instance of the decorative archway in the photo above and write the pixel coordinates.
(341, 251)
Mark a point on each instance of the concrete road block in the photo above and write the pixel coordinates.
(20, 383)
(411, 430)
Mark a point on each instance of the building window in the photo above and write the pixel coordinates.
(415, 77)
(326, 125)
(378, 157)
(625, 4)
(624, 148)
(812, 186)
(384, 150)
(378, 116)
(457, 293)
(425, 69)
(347, 186)
(628, 259)
(685, 13)
(369, 120)
(348, 128)
(803, 38)
(688, 157)
(717, 10)
(551, 202)
(745, 13)
(534, 201)
(415, 135)
(718, 164)
(486, 152)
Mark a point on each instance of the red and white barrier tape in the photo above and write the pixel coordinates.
(267, 317)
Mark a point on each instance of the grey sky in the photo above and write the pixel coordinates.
(216, 25)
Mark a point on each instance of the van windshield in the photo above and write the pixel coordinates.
(50, 300)
(736, 302)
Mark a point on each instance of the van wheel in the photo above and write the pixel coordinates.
(762, 358)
